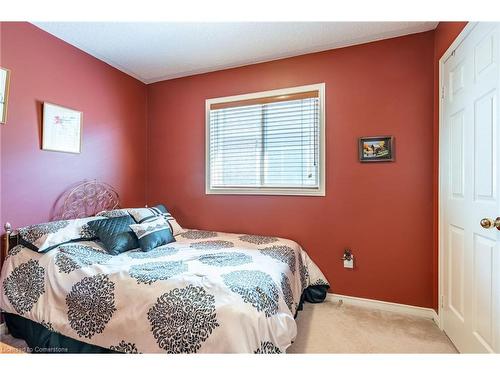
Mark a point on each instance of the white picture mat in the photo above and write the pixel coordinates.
(61, 129)
(3, 93)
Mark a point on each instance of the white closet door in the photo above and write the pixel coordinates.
(470, 191)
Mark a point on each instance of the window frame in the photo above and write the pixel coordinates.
(316, 191)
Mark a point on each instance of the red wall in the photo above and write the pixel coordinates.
(444, 35)
(382, 211)
(114, 107)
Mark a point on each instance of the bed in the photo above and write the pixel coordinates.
(207, 292)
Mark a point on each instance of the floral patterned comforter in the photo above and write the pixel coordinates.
(208, 292)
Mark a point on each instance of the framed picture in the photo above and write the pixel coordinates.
(374, 149)
(62, 129)
(4, 93)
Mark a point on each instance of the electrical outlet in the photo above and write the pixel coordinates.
(349, 263)
(348, 258)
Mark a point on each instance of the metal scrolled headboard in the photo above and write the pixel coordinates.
(82, 200)
(87, 199)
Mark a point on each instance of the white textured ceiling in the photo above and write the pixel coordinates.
(151, 51)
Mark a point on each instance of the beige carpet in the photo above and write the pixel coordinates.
(340, 328)
(11, 341)
(331, 327)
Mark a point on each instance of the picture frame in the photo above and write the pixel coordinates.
(376, 149)
(61, 129)
(4, 93)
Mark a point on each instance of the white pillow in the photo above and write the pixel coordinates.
(46, 236)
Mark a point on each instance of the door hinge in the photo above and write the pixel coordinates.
(442, 92)
(442, 301)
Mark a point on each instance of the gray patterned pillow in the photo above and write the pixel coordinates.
(152, 234)
(46, 236)
(119, 212)
(147, 214)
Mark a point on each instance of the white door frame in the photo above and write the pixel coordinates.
(460, 38)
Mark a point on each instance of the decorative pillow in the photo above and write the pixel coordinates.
(146, 214)
(46, 236)
(115, 234)
(174, 225)
(114, 213)
(153, 233)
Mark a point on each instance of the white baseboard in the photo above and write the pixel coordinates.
(422, 312)
(437, 319)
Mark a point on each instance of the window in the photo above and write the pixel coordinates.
(269, 143)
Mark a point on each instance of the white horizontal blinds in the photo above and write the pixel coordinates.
(266, 142)
(235, 146)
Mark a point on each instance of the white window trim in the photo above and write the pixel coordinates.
(319, 191)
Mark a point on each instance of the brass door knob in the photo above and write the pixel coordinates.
(488, 223)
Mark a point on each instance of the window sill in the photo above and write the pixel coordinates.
(266, 191)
